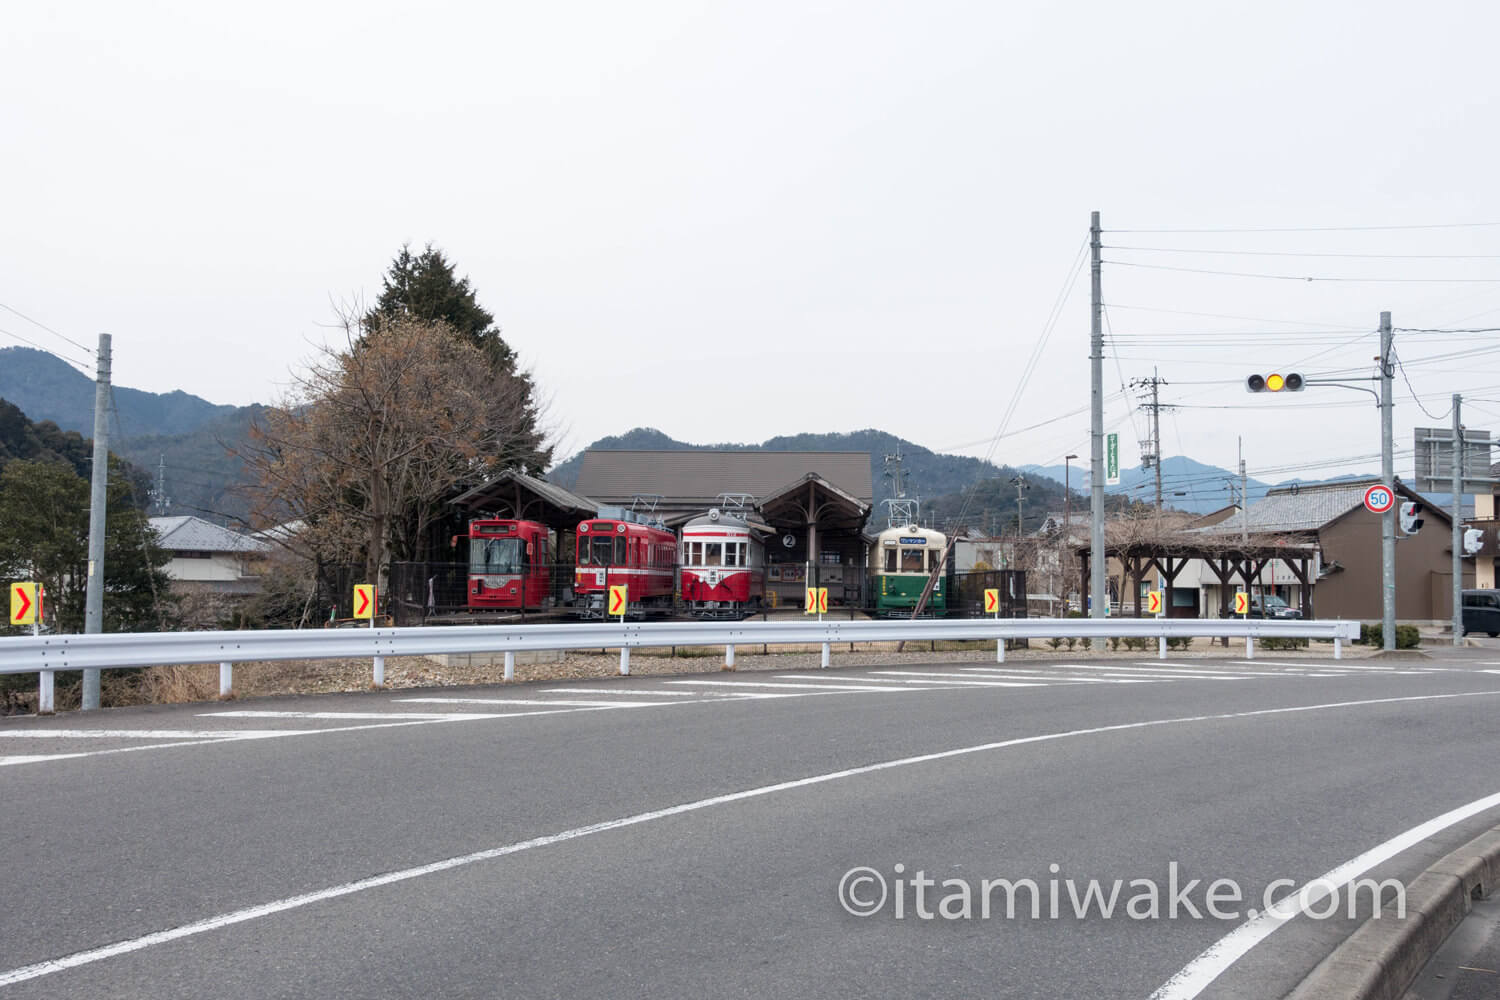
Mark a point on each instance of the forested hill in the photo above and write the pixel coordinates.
(190, 435)
(943, 482)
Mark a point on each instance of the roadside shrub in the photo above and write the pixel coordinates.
(1114, 643)
(1073, 641)
(1179, 641)
(1407, 636)
(1283, 643)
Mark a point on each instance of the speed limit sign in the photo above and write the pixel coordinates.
(1379, 498)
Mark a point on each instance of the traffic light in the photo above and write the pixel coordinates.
(1411, 518)
(1290, 382)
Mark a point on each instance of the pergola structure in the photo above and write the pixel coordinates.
(1170, 556)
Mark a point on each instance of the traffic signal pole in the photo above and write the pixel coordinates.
(1388, 477)
(1458, 528)
(1098, 557)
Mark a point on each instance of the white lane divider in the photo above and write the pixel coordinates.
(126, 946)
(933, 681)
(656, 693)
(349, 716)
(146, 734)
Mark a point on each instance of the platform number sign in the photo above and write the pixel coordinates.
(1379, 498)
(619, 598)
(992, 601)
(817, 601)
(1241, 602)
(364, 601)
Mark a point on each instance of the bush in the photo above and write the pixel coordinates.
(1054, 642)
(1179, 642)
(1283, 643)
(1407, 636)
(1073, 641)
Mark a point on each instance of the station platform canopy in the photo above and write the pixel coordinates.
(515, 494)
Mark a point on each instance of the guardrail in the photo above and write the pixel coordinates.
(45, 655)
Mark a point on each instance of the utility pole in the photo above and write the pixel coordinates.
(159, 493)
(1020, 484)
(1151, 450)
(1244, 501)
(1097, 555)
(93, 606)
(1388, 477)
(1458, 528)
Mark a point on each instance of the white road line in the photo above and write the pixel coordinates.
(35, 758)
(1194, 977)
(147, 734)
(965, 679)
(350, 716)
(268, 734)
(810, 688)
(568, 702)
(657, 693)
(932, 684)
(1320, 666)
(127, 946)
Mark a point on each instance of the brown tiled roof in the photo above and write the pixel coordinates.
(700, 476)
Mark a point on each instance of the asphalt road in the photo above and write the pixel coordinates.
(687, 836)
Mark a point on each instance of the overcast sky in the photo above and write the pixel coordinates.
(739, 220)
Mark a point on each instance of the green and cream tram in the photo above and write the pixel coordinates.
(901, 561)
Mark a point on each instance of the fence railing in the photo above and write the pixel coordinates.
(47, 654)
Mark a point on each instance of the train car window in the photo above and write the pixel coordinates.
(911, 560)
(713, 553)
(619, 551)
(731, 554)
(934, 558)
(890, 560)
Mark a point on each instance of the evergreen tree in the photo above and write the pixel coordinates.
(425, 287)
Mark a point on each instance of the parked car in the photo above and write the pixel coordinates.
(1482, 612)
(1271, 606)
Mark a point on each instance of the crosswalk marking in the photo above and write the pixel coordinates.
(961, 678)
(565, 702)
(773, 684)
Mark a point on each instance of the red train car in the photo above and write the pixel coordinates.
(723, 566)
(614, 551)
(509, 564)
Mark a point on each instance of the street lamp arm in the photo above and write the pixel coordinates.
(1344, 385)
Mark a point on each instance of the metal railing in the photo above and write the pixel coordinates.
(47, 654)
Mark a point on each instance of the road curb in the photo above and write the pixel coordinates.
(1382, 958)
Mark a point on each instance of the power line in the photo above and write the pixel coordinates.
(44, 350)
(1253, 319)
(44, 326)
(1307, 277)
(1319, 229)
(1296, 253)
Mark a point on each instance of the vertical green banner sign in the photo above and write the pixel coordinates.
(1112, 460)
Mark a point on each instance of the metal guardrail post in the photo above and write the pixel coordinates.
(1161, 646)
(624, 661)
(510, 665)
(1338, 647)
(226, 679)
(729, 657)
(44, 694)
(1249, 647)
(827, 655)
(999, 650)
(380, 671)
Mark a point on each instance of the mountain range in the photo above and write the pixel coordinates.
(191, 440)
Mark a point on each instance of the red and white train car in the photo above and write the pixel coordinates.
(723, 566)
(615, 551)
